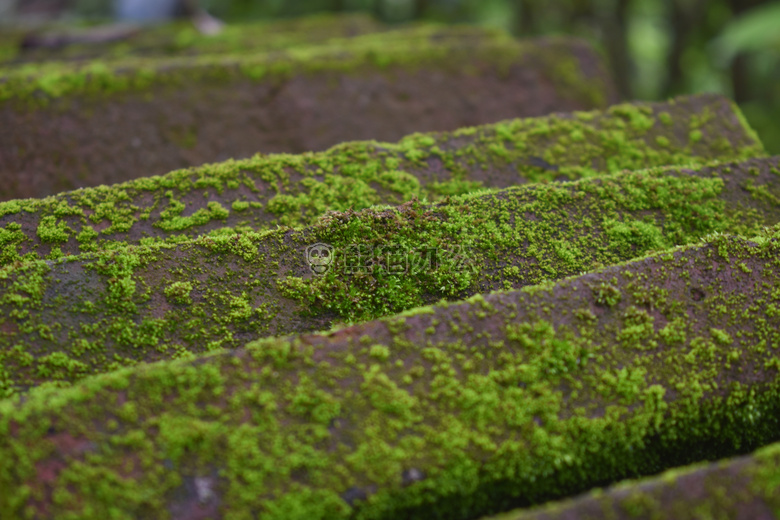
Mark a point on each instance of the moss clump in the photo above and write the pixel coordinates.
(606, 295)
(295, 190)
(179, 292)
(10, 238)
(172, 221)
(51, 230)
(533, 398)
(626, 234)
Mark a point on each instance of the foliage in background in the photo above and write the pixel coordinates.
(657, 48)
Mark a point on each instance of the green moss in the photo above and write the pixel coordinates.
(171, 220)
(721, 337)
(412, 47)
(214, 291)
(674, 332)
(631, 235)
(606, 294)
(10, 238)
(638, 118)
(296, 190)
(52, 230)
(637, 329)
(179, 292)
(380, 352)
(86, 235)
(521, 406)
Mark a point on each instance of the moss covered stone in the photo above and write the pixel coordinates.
(514, 399)
(294, 190)
(161, 300)
(110, 121)
(180, 39)
(743, 487)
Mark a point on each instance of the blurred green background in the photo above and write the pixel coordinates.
(656, 48)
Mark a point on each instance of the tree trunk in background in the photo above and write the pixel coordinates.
(740, 65)
(615, 27)
(740, 82)
(685, 17)
(524, 20)
(582, 13)
(421, 8)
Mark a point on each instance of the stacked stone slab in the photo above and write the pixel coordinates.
(741, 488)
(268, 191)
(66, 125)
(177, 39)
(450, 411)
(155, 302)
(489, 346)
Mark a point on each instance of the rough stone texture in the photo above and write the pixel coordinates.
(452, 411)
(64, 320)
(743, 488)
(178, 39)
(268, 191)
(66, 126)
(455, 410)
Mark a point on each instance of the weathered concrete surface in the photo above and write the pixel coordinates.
(64, 126)
(63, 320)
(742, 488)
(267, 191)
(452, 411)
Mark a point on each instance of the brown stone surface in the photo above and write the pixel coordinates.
(144, 304)
(449, 412)
(268, 191)
(89, 140)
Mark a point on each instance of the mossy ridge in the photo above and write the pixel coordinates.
(182, 38)
(192, 134)
(327, 31)
(452, 411)
(38, 85)
(741, 487)
(99, 311)
(294, 190)
(243, 41)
